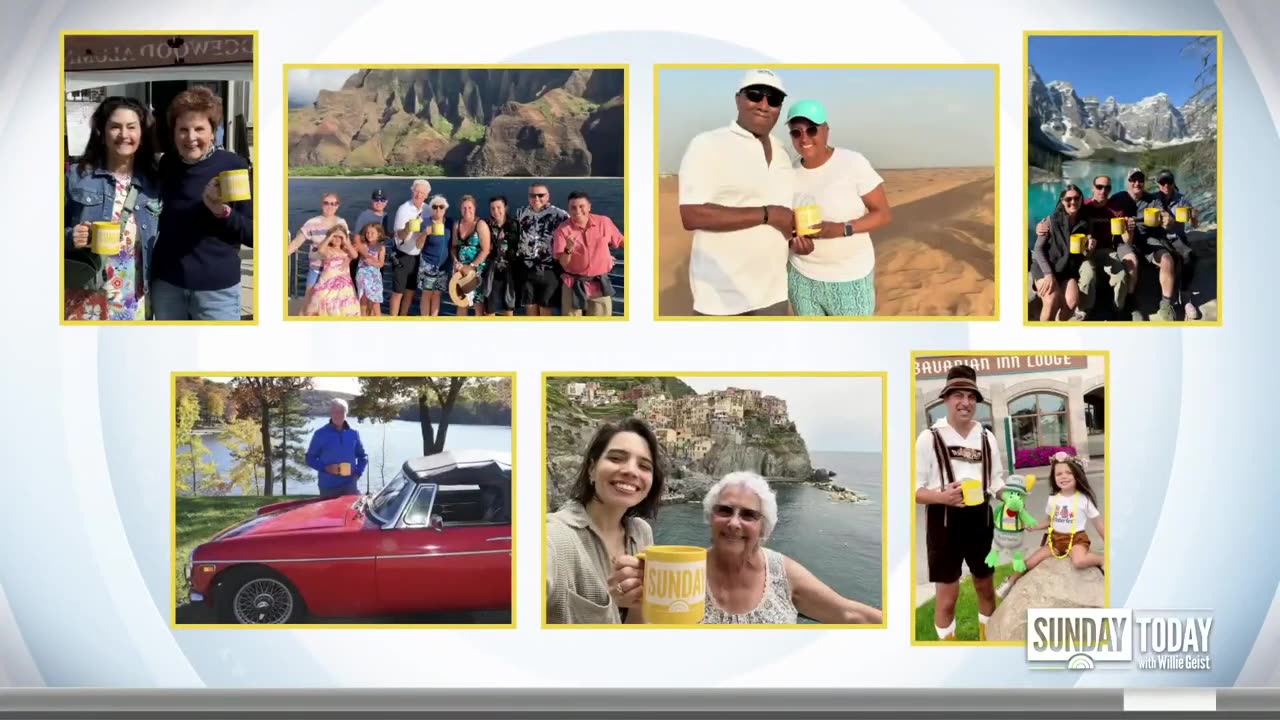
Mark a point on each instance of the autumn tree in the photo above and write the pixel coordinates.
(243, 439)
(192, 466)
(262, 398)
(214, 397)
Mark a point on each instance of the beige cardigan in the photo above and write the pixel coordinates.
(578, 566)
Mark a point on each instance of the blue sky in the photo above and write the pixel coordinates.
(1127, 67)
(897, 118)
(832, 414)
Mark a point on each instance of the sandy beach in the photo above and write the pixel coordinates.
(937, 257)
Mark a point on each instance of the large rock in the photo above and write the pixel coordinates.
(537, 139)
(601, 132)
(1053, 583)
(477, 122)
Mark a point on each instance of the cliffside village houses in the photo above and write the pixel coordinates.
(687, 427)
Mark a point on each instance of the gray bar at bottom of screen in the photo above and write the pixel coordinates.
(605, 702)
(1248, 700)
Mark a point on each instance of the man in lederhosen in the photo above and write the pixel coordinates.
(955, 449)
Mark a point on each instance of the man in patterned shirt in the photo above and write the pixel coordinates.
(537, 277)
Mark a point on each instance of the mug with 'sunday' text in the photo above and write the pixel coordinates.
(675, 584)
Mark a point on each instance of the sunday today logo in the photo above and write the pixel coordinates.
(1114, 638)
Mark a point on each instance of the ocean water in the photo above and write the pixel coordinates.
(839, 542)
(608, 197)
(403, 440)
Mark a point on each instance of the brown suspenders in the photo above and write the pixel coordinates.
(948, 473)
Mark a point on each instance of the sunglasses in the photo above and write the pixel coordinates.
(437, 207)
(329, 202)
(1137, 179)
(728, 511)
(810, 130)
(1072, 199)
(1163, 183)
(1102, 187)
(755, 95)
(537, 195)
(379, 199)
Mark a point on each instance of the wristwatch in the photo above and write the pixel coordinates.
(848, 229)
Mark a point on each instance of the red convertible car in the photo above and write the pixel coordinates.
(436, 538)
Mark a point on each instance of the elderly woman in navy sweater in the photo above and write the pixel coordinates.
(196, 267)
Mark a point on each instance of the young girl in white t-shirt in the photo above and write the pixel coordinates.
(1070, 507)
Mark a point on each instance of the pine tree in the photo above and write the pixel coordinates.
(291, 438)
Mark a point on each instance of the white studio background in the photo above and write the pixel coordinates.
(85, 565)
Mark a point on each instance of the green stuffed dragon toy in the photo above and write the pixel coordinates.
(1011, 519)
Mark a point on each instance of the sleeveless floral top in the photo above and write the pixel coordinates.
(775, 607)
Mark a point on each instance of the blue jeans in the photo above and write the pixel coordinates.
(170, 302)
(350, 488)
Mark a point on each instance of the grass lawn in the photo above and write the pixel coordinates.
(200, 518)
(966, 610)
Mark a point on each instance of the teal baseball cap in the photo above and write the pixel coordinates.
(810, 110)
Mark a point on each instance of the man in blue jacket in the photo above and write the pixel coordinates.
(337, 454)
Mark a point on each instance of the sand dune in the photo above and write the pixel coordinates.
(937, 257)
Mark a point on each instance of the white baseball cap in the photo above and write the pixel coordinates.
(767, 78)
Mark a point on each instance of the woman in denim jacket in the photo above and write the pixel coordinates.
(120, 154)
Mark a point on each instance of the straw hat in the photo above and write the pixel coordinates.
(462, 284)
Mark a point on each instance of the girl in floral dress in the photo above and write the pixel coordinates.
(334, 294)
(373, 255)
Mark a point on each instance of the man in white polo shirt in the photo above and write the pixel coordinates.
(735, 195)
(955, 449)
(406, 255)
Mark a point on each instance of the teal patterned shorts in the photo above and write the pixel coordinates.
(811, 297)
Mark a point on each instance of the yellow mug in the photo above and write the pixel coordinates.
(1182, 213)
(972, 490)
(1117, 225)
(806, 217)
(415, 224)
(675, 584)
(1077, 243)
(437, 228)
(1151, 217)
(234, 185)
(344, 469)
(106, 238)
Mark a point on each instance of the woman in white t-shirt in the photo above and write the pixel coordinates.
(838, 277)
(1070, 508)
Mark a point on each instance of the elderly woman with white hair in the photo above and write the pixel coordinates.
(433, 274)
(750, 584)
(336, 454)
(405, 258)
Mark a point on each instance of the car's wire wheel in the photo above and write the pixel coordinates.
(263, 601)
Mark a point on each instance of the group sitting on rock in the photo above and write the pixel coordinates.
(595, 543)
(541, 259)
(1092, 249)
